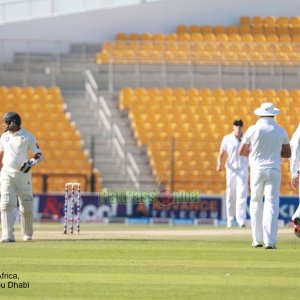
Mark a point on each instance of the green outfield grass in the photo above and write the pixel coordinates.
(129, 266)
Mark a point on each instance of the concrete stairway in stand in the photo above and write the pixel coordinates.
(113, 171)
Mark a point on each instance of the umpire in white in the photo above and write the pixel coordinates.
(265, 143)
(295, 170)
(15, 143)
(236, 175)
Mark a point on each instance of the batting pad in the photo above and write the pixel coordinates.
(7, 223)
(26, 210)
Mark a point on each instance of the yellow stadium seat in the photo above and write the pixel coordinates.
(260, 38)
(232, 29)
(282, 21)
(134, 36)
(257, 21)
(197, 36)
(283, 31)
(209, 37)
(146, 36)
(222, 37)
(272, 38)
(206, 29)
(219, 29)
(244, 29)
(270, 21)
(247, 38)
(245, 20)
(295, 31)
(257, 31)
(158, 37)
(121, 36)
(195, 29)
(270, 31)
(284, 38)
(294, 22)
(182, 28)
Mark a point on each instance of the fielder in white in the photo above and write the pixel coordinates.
(236, 175)
(15, 143)
(295, 169)
(265, 143)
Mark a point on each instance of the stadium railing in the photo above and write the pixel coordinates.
(57, 58)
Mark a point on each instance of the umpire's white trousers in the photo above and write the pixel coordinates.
(264, 215)
(236, 195)
(297, 212)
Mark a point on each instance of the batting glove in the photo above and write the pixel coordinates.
(27, 165)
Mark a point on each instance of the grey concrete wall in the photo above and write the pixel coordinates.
(154, 17)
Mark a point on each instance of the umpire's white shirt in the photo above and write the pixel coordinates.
(266, 148)
(16, 147)
(230, 144)
(295, 157)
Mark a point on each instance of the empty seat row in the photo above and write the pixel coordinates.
(242, 30)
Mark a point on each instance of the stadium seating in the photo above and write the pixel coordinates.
(208, 48)
(42, 112)
(256, 41)
(183, 129)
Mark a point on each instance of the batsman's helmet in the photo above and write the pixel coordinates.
(12, 119)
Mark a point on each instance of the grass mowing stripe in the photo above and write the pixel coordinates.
(151, 269)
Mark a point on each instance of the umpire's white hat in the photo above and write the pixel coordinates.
(267, 109)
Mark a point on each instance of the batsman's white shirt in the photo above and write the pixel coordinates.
(266, 138)
(16, 147)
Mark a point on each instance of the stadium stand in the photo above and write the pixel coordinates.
(190, 123)
(42, 112)
(258, 41)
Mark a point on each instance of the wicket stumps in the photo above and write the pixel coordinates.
(70, 193)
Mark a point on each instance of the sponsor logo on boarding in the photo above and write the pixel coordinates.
(159, 195)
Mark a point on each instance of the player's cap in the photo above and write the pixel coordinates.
(238, 122)
(267, 109)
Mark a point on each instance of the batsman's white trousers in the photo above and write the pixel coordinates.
(264, 214)
(16, 184)
(236, 195)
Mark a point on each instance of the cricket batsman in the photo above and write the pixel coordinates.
(15, 143)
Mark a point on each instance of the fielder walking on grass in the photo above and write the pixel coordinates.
(15, 143)
(236, 175)
(265, 143)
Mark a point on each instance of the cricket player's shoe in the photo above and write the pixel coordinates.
(257, 245)
(270, 247)
(297, 227)
(27, 238)
(7, 240)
